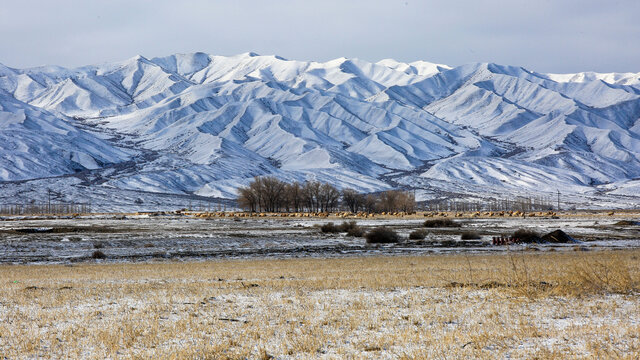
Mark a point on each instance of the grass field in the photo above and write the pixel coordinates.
(544, 305)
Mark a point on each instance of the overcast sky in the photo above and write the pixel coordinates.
(542, 35)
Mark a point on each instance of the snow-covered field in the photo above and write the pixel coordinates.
(543, 305)
(172, 237)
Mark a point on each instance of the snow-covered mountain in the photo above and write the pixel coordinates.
(203, 124)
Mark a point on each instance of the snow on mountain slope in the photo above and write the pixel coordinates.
(507, 173)
(36, 144)
(205, 124)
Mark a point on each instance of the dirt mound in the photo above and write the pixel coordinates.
(558, 237)
(627, 223)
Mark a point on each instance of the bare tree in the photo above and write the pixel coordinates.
(248, 199)
(388, 200)
(353, 200)
(272, 191)
(329, 197)
(311, 195)
(370, 203)
(294, 198)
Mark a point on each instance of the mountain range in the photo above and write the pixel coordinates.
(202, 125)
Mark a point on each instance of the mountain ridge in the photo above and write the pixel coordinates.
(211, 123)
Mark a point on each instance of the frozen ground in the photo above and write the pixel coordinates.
(144, 238)
(526, 305)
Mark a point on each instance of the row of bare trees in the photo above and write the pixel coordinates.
(268, 194)
(386, 201)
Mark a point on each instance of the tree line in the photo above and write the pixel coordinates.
(269, 194)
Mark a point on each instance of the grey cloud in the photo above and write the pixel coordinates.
(546, 36)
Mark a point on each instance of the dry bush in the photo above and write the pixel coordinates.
(347, 225)
(440, 223)
(608, 275)
(470, 235)
(330, 227)
(350, 227)
(417, 234)
(355, 231)
(575, 275)
(98, 255)
(382, 235)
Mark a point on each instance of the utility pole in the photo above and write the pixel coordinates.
(49, 201)
(558, 200)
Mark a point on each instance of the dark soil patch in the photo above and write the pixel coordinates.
(526, 236)
(558, 237)
(469, 235)
(69, 230)
(627, 223)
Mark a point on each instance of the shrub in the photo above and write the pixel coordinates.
(382, 235)
(526, 236)
(329, 228)
(346, 226)
(417, 234)
(98, 245)
(439, 223)
(351, 228)
(355, 232)
(98, 255)
(469, 235)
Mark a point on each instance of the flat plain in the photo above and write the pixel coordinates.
(545, 302)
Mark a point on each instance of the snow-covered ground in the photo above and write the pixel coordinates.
(158, 238)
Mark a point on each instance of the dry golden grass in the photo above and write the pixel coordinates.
(525, 305)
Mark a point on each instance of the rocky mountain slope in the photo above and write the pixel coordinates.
(203, 124)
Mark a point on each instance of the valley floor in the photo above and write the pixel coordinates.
(179, 237)
(544, 305)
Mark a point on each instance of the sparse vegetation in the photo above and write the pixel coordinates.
(355, 232)
(419, 234)
(441, 223)
(98, 255)
(470, 235)
(342, 308)
(382, 235)
(350, 227)
(330, 227)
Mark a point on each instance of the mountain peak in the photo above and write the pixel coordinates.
(214, 122)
